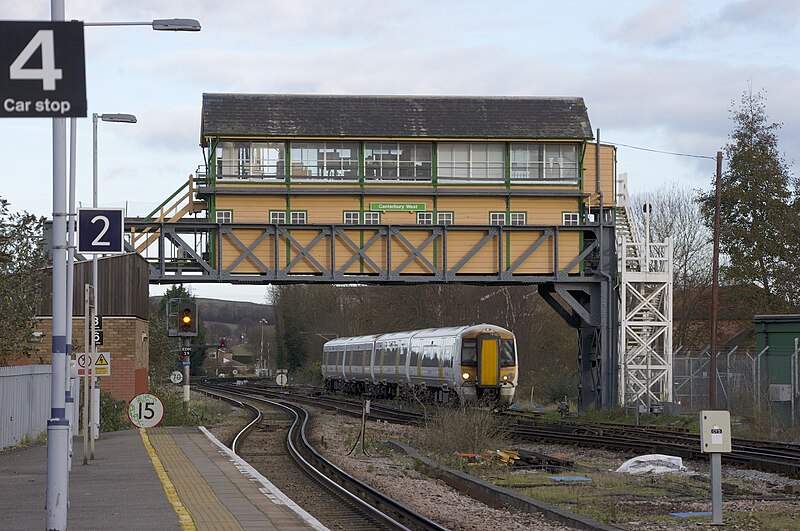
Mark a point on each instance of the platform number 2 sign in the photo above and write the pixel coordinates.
(100, 230)
(42, 70)
(145, 410)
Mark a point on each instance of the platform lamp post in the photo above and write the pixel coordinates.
(56, 495)
(94, 411)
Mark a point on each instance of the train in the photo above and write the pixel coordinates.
(455, 364)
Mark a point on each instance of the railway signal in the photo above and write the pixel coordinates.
(187, 319)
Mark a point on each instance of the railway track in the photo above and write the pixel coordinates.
(335, 498)
(768, 456)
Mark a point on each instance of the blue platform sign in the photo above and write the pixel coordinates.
(100, 230)
(42, 70)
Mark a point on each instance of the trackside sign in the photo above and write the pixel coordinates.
(42, 70)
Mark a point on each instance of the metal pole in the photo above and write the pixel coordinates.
(712, 383)
(92, 421)
(57, 424)
(69, 400)
(186, 392)
(716, 488)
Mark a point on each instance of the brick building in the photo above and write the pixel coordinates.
(123, 305)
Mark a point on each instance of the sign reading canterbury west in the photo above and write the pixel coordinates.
(42, 70)
(384, 207)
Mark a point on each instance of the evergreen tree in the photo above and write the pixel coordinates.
(758, 226)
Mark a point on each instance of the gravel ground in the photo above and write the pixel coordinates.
(750, 498)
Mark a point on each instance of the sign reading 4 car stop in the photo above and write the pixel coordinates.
(42, 70)
(145, 410)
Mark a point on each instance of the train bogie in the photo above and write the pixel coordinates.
(439, 364)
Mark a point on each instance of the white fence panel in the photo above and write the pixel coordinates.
(24, 402)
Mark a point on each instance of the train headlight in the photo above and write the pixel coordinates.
(505, 377)
(465, 375)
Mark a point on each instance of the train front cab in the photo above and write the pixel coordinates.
(489, 367)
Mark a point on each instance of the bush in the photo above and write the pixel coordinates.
(310, 373)
(557, 386)
(113, 414)
(465, 429)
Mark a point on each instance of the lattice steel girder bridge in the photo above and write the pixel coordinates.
(574, 267)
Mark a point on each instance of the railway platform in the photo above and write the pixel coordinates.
(159, 478)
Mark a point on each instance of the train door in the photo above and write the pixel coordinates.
(488, 360)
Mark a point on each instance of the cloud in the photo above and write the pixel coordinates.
(765, 15)
(661, 23)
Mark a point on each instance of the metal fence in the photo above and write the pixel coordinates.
(24, 402)
(743, 381)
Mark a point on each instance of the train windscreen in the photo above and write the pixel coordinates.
(469, 352)
(507, 352)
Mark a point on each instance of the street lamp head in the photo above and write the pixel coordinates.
(176, 24)
(120, 118)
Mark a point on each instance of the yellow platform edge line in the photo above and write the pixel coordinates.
(184, 517)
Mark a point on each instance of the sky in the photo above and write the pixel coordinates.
(655, 74)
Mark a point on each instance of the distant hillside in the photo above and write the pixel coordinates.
(233, 319)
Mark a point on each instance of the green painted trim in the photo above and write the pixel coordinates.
(362, 169)
(507, 168)
(581, 159)
(361, 233)
(508, 234)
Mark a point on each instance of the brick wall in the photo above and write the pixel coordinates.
(124, 338)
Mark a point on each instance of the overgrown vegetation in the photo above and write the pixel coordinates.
(464, 429)
(113, 414)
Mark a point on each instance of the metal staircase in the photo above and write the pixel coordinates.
(645, 339)
(174, 208)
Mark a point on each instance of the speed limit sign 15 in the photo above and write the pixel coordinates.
(145, 411)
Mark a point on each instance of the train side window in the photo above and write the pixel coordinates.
(428, 356)
(403, 350)
(448, 356)
(469, 352)
(437, 355)
(414, 355)
(506, 352)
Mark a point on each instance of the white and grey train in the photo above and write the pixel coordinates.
(444, 364)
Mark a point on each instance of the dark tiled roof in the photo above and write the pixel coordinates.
(305, 115)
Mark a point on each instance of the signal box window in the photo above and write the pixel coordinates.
(250, 160)
(224, 216)
(351, 218)
(444, 218)
(277, 216)
(519, 218)
(544, 161)
(299, 217)
(497, 218)
(424, 218)
(471, 161)
(404, 161)
(372, 218)
(570, 218)
(326, 160)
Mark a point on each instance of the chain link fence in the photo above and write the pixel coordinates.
(746, 386)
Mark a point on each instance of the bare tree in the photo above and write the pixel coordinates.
(675, 213)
